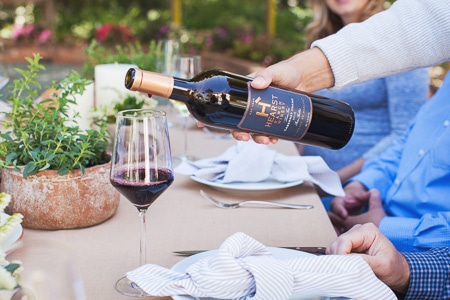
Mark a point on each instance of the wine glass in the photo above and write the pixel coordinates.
(166, 50)
(141, 169)
(185, 66)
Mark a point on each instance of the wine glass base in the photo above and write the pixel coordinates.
(128, 288)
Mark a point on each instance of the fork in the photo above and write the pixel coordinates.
(238, 204)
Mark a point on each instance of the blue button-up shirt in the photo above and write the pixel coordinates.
(413, 176)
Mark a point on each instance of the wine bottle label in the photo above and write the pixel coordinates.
(277, 112)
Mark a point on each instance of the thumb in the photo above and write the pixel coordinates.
(260, 82)
(375, 199)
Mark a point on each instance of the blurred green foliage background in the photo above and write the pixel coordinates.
(235, 27)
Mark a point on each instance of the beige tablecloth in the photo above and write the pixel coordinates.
(182, 220)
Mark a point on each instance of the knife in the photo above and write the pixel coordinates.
(312, 250)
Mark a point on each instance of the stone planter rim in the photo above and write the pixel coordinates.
(88, 198)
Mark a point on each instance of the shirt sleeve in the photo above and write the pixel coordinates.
(430, 276)
(430, 230)
(406, 92)
(411, 34)
(380, 171)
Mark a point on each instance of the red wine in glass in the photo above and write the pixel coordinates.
(141, 170)
(131, 184)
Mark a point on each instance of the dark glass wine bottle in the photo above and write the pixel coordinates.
(225, 100)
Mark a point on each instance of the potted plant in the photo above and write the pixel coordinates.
(56, 173)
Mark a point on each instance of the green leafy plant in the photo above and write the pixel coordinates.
(130, 102)
(131, 53)
(43, 135)
(108, 113)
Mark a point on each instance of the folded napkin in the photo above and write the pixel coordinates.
(252, 162)
(243, 268)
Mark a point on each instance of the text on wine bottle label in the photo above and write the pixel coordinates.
(281, 113)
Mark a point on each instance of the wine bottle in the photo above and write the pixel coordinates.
(226, 100)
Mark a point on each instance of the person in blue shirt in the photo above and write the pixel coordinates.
(406, 187)
(383, 107)
(410, 34)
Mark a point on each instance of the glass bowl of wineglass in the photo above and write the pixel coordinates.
(185, 66)
(141, 169)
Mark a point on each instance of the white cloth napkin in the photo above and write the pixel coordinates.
(252, 162)
(243, 268)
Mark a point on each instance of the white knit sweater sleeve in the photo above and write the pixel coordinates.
(410, 34)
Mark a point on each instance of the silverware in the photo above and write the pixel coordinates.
(237, 204)
(312, 250)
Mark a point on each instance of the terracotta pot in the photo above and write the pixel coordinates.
(50, 201)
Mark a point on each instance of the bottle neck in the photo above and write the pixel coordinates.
(181, 89)
(154, 83)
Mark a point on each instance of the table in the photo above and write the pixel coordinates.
(182, 220)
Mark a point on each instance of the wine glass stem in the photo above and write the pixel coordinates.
(142, 237)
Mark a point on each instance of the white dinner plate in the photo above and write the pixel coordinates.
(278, 253)
(13, 236)
(248, 187)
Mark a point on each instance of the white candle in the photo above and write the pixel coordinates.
(110, 83)
(85, 107)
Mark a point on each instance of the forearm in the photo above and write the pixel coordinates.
(417, 234)
(411, 34)
(316, 70)
(381, 171)
(306, 71)
(350, 170)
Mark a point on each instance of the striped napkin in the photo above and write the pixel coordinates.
(252, 162)
(243, 268)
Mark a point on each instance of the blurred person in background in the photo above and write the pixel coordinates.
(383, 107)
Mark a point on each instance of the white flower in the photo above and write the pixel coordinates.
(11, 222)
(4, 201)
(7, 280)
